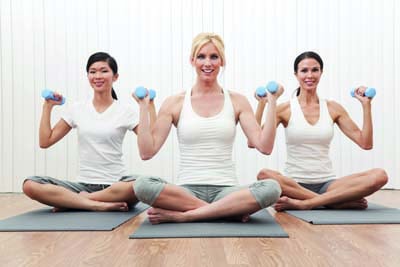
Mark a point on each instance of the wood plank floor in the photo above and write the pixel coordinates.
(308, 245)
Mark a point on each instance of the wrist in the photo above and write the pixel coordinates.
(366, 104)
(143, 105)
(272, 101)
(47, 106)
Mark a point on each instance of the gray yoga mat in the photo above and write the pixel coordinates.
(72, 220)
(261, 224)
(374, 214)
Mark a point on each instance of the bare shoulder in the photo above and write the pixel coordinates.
(240, 103)
(283, 107)
(174, 99)
(283, 113)
(238, 100)
(335, 109)
(172, 106)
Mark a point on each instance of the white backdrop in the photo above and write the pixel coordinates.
(46, 43)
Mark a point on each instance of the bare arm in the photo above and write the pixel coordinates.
(152, 112)
(271, 120)
(261, 138)
(150, 139)
(262, 101)
(47, 135)
(363, 137)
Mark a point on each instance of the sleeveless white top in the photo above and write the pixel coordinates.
(308, 145)
(206, 145)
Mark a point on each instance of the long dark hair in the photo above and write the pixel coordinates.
(102, 56)
(304, 55)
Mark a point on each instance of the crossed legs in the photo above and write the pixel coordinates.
(346, 192)
(113, 198)
(172, 203)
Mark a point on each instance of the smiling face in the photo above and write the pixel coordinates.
(101, 77)
(207, 62)
(308, 74)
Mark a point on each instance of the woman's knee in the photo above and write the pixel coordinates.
(266, 174)
(147, 189)
(380, 178)
(29, 188)
(266, 192)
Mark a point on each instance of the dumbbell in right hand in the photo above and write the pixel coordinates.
(141, 93)
(369, 92)
(49, 95)
(272, 87)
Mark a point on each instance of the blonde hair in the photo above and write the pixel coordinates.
(204, 38)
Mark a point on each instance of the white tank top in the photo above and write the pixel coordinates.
(206, 145)
(308, 145)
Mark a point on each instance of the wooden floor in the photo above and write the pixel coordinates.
(308, 245)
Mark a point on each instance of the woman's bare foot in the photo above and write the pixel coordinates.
(285, 203)
(360, 204)
(57, 209)
(239, 218)
(245, 218)
(157, 215)
(112, 206)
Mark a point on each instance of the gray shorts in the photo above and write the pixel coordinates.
(266, 192)
(77, 186)
(319, 188)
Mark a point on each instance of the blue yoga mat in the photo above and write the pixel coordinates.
(261, 224)
(71, 220)
(374, 214)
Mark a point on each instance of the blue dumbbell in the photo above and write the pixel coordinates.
(272, 87)
(369, 92)
(48, 94)
(152, 94)
(141, 93)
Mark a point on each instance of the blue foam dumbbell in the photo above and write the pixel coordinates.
(141, 93)
(369, 92)
(261, 91)
(49, 94)
(152, 94)
(272, 87)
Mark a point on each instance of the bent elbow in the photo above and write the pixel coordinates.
(266, 151)
(44, 145)
(146, 156)
(367, 147)
(250, 145)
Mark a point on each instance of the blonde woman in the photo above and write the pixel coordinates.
(205, 116)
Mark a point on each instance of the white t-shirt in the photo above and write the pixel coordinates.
(100, 137)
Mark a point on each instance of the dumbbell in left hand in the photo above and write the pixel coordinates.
(369, 92)
(141, 93)
(49, 94)
(272, 87)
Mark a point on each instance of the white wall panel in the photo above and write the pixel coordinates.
(7, 97)
(46, 43)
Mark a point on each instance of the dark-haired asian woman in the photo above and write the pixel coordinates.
(103, 183)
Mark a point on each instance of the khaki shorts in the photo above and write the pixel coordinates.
(266, 192)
